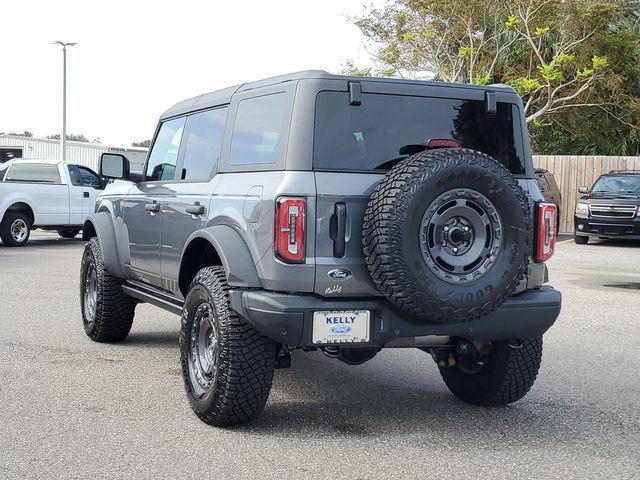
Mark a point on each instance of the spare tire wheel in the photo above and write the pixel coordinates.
(447, 235)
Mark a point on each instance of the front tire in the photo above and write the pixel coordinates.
(227, 366)
(15, 229)
(107, 312)
(503, 376)
(580, 239)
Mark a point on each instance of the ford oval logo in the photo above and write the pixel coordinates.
(340, 329)
(339, 273)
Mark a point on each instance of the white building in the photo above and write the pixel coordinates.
(78, 152)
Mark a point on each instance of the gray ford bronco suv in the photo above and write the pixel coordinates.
(320, 212)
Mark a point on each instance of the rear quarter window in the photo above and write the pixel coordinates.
(257, 130)
(370, 136)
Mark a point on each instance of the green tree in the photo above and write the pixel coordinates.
(26, 134)
(74, 138)
(612, 125)
(143, 144)
(563, 57)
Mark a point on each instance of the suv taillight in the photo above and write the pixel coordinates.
(545, 231)
(290, 236)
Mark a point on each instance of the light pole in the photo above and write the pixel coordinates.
(63, 136)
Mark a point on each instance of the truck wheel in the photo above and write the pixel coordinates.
(227, 366)
(503, 376)
(68, 232)
(581, 239)
(15, 229)
(447, 235)
(107, 312)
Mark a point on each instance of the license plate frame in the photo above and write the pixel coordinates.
(344, 327)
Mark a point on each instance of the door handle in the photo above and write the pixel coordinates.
(152, 207)
(338, 229)
(85, 194)
(195, 209)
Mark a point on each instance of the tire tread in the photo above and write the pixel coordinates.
(505, 379)
(247, 359)
(114, 309)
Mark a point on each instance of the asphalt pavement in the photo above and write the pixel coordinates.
(71, 408)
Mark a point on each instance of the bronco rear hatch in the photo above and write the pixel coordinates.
(355, 143)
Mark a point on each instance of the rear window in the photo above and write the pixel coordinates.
(33, 172)
(370, 136)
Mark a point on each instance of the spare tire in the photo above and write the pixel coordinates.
(447, 235)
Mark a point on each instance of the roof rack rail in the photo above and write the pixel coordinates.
(625, 171)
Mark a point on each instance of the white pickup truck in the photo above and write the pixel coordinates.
(45, 194)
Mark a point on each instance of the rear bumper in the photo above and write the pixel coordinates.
(288, 319)
(607, 228)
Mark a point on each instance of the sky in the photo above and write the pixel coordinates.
(134, 59)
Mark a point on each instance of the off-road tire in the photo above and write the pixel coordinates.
(5, 229)
(581, 239)
(68, 232)
(392, 226)
(246, 358)
(509, 372)
(114, 309)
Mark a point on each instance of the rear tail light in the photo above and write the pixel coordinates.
(289, 229)
(547, 216)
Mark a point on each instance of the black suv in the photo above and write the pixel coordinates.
(610, 208)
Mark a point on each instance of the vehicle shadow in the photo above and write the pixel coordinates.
(162, 339)
(616, 243)
(327, 399)
(49, 242)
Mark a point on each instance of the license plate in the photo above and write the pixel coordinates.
(341, 326)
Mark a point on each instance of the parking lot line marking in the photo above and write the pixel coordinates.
(564, 241)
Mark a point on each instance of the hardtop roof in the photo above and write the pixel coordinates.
(220, 97)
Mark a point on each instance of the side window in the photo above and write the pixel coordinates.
(89, 178)
(203, 142)
(257, 130)
(33, 172)
(164, 153)
(74, 176)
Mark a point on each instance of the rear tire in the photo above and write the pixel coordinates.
(507, 374)
(15, 229)
(580, 239)
(107, 312)
(227, 366)
(68, 232)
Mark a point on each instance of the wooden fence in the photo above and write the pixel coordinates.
(572, 172)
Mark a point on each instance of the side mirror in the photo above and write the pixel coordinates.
(583, 190)
(114, 165)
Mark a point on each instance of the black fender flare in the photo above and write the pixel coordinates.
(233, 252)
(101, 225)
